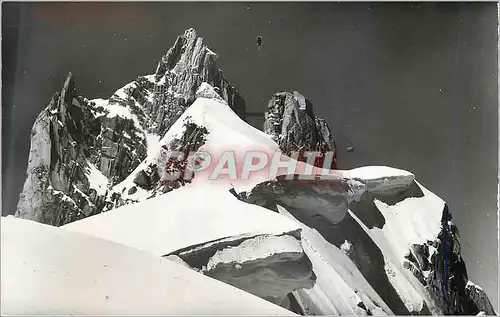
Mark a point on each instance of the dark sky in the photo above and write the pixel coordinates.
(412, 86)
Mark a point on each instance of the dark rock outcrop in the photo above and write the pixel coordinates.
(172, 171)
(446, 273)
(71, 141)
(291, 122)
(178, 77)
(122, 146)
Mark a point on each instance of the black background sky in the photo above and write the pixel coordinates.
(413, 86)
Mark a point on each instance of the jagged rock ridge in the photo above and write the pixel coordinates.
(80, 148)
(74, 151)
(179, 74)
(355, 211)
(346, 226)
(446, 273)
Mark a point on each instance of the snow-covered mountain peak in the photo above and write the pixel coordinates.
(113, 135)
(366, 241)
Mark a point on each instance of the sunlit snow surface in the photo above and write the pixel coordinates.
(380, 179)
(339, 286)
(48, 270)
(64, 266)
(414, 220)
(257, 248)
(187, 216)
(226, 133)
(96, 178)
(411, 221)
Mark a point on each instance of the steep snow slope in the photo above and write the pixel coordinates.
(413, 220)
(378, 241)
(395, 249)
(73, 134)
(340, 288)
(379, 216)
(47, 270)
(391, 213)
(225, 132)
(222, 124)
(382, 281)
(323, 240)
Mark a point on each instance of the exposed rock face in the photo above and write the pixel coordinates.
(168, 173)
(291, 121)
(69, 141)
(173, 162)
(123, 140)
(192, 139)
(76, 142)
(347, 217)
(345, 257)
(446, 273)
(480, 299)
(178, 77)
(191, 62)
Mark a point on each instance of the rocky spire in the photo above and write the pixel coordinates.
(55, 160)
(75, 152)
(447, 280)
(178, 76)
(80, 148)
(291, 121)
(189, 63)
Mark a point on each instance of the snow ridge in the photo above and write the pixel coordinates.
(366, 241)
